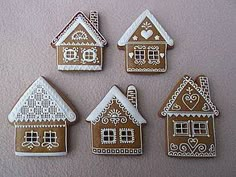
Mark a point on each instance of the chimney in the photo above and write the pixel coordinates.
(93, 17)
(204, 84)
(132, 95)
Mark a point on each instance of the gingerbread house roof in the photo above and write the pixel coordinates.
(130, 31)
(79, 18)
(201, 87)
(40, 103)
(116, 93)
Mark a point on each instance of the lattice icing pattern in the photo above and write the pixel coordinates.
(40, 106)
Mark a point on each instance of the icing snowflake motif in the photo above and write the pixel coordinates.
(146, 25)
(157, 37)
(135, 38)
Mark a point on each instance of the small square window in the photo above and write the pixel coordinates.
(108, 136)
(153, 56)
(31, 136)
(126, 135)
(200, 128)
(50, 137)
(139, 54)
(181, 128)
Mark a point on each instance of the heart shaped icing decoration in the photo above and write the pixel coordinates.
(173, 147)
(190, 100)
(192, 142)
(146, 34)
(176, 107)
(206, 107)
(131, 54)
(162, 55)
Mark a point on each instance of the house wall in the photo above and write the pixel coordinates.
(115, 107)
(177, 140)
(96, 131)
(61, 60)
(40, 127)
(161, 66)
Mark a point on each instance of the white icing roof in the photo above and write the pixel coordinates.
(41, 102)
(129, 32)
(115, 92)
(79, 18)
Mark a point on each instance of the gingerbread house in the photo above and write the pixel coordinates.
(190, 119)
(41, 118)
(116, 124)
(145, 43)
(80, 44)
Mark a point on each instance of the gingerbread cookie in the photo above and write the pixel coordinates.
(116, 124)
(40, 118)
(190, 119)
(80, 44)
(145, 43)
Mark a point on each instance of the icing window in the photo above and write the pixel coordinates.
(70, 54)
(153, 56)
(181, 128)
(31, 139)
(139, 57)
(50, 139)
(200, 128)
(108, 136)
(126, 135)
(139, 54)
(89, 55)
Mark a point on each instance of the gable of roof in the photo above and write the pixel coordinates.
(79, 18)
(177, 91)
(41, 102)
(130, 31)
(115, 93)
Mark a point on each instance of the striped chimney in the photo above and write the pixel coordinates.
(132, 95)
(93, 17)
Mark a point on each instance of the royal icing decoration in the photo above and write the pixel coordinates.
(80, 44)
(40, 118)
(190, 116)
(145, 43)
(116, 124)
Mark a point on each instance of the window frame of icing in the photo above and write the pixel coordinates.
(108, 141)
(69, 51)
(181, 128)
(205, 123)
(153, 60)
(139, 50)
(50, 137)
(31, 143)
(94, 55)
(50, 144)
(126, 136)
